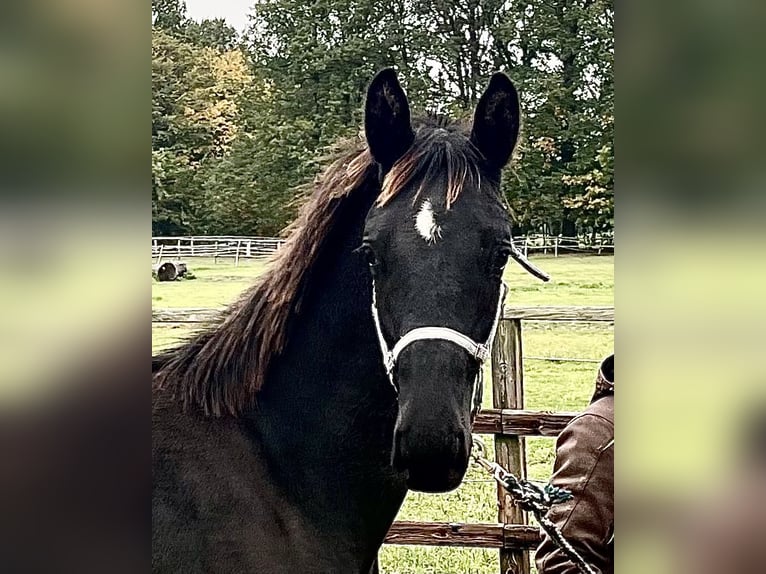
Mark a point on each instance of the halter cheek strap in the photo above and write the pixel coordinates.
(479, 351)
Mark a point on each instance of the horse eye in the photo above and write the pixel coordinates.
(369, 255)
(500, 258)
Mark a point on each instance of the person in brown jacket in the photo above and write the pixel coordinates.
(584, 465)
(725, 532)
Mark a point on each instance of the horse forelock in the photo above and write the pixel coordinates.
(440, 150)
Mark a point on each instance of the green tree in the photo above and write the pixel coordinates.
(215, 33)
(169, 15)
(562, 55)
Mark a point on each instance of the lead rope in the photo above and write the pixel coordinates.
(532, 498)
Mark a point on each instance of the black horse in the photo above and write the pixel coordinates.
(280, 443)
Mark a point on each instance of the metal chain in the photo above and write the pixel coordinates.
(532, 498)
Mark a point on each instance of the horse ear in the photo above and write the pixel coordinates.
(496, 122)
(387, 119)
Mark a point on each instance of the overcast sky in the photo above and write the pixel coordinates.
(233, 11)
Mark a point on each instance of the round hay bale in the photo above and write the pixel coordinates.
(171, 270)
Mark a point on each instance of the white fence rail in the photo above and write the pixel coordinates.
(217, 247)
(556, 244)
(251, 247)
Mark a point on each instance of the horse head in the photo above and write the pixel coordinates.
(437, 241)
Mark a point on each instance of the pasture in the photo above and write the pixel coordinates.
(564, 386)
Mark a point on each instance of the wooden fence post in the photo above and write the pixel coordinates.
(236, 255)
(508, 393)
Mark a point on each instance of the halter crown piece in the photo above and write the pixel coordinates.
(479, 351)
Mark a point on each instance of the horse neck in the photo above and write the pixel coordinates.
(326, 413)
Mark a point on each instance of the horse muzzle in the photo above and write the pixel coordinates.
(434, 458)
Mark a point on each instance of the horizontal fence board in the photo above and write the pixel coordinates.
(536, 313)
(220, 255)
(185, 315)
(560, 313)
(480, 535)
(521, 422)
(215, 238)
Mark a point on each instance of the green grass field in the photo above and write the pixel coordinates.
(587, 280)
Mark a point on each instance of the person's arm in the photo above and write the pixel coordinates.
(585, 466)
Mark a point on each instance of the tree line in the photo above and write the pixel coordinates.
(239, 121)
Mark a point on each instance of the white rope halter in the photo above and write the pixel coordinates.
(481, 352)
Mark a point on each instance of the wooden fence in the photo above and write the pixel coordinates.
(217, 247)
(558, 244)
(249, 247)
(507, 420)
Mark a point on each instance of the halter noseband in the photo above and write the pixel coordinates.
(479, 351)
